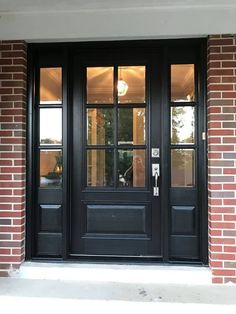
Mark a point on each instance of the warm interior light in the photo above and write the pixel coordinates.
(122, 88)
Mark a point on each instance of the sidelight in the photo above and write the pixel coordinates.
(182, 168)
(182, 83)
(50, 126)
(50, 86)
(182, 125)
(50, 168)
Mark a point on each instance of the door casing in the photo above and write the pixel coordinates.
(53, 54)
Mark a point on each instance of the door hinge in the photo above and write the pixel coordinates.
(203, 136)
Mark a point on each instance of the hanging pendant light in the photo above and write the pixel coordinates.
(122, 86)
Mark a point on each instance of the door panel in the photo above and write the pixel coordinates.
(113, 212)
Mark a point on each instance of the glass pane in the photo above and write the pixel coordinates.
(50, 86)
(131, 84)
(50, 126)
(50, 168)
(182, 82)
(100, 126)
(100, 165)
(131, 168)
(182, 125)
(131, 126)
(100, 85)
(182, 168)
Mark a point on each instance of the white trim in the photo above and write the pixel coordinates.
(118, 24)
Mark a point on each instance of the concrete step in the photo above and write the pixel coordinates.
(115, 273)
(106, 288)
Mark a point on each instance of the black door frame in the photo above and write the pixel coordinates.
(39, 52)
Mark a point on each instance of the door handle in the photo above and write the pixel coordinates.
(156, 174)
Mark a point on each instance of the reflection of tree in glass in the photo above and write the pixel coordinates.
(125, 168)
(126, 124)
(100, 125)
(49, 141)
(181, 159)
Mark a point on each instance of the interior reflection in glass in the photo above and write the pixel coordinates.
(50, 86)
(131, 126)
(100, 165)
(100, 126)
(182, 168)
(50, 126)
(182, 125)
(100, 85)
(131, 168)
(50, 168)
(182, 82)
(131, 84)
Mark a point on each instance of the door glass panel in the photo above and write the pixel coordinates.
(100, 85)
(182, 125)
(50, 126)
(100, 126)
(50, 86)
(131, 168)
(131, 126)
(100, 165)
(182, 83)
(50, 168)
(182, 168)
(131, 84)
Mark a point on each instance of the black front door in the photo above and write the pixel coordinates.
(117, 139)
(114, 209)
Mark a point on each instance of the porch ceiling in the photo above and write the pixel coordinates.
(68, 5)
(83, 20)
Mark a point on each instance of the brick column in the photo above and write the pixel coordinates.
(12, 154)
(222, 157)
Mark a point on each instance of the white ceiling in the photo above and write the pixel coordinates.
(89, 20)
(76, 5)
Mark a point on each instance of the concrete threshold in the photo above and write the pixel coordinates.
(115, 273)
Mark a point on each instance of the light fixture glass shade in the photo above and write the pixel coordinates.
(122, 88)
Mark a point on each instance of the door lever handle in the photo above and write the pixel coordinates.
(155, 173)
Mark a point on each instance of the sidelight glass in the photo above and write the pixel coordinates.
(131, 126)
(50, 126)
(182, 167)
(182, 83)
(100, 165)
(131, 168)
(131, 87)
(182, 125)
(100, 81)
(51, 168)
(100, 126)
(51, 85)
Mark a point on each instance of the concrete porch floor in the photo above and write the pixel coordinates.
(100, 288)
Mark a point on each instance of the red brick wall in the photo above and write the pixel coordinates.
(12, 154)
(222, 157)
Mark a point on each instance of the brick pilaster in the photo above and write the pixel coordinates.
(12, 153)
(222, 157)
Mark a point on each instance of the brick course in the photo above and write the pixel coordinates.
(222, 157)
(13, 60)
